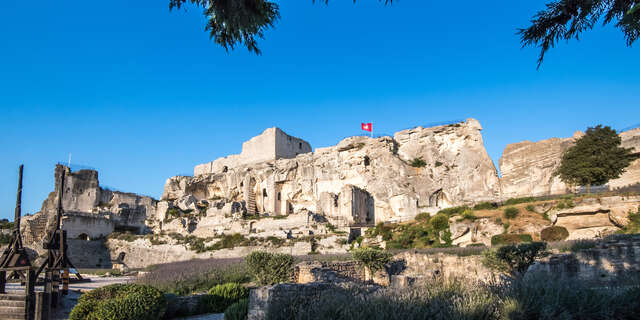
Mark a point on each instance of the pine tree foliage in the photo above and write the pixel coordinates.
(233, 22)
(567, 19)
(596, 158)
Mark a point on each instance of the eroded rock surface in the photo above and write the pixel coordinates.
(359, 182)
(528, 167)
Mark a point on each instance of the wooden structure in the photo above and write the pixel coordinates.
(15, 264)
(57, 264)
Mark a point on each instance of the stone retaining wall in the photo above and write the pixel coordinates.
(609, 262)
(315, 271)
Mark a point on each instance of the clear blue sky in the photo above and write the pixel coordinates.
(142, 94)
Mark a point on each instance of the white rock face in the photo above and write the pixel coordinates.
(361, 181)
(528, 167)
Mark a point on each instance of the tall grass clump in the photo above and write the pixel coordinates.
(197, 275)
(445, 300)
(540, 297)
(220, 297)
(237, 311)
(270, 268)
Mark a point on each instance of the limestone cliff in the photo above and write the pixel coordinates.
(359, 182)
(528, 167)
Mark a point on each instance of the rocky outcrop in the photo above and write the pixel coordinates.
(595, 217)
(528, 168)
(359, 182)
(467, 232)
(90, 211)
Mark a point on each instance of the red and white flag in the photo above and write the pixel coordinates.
(367, 126)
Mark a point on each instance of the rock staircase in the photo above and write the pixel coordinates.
(13, 305)
(251, 204)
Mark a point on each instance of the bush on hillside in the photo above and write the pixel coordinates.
(554, 233)
(507, 239)
(485, 206)
(221, 297)
(514, 201)
(120, 302)
(439, 222)
(514, 260)
(423, 217)
(373, 259)
(237, 311)
(511, 212)
(418, 162)
(270, 268)
(634, 223)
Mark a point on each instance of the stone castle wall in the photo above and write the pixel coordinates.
(271, 145)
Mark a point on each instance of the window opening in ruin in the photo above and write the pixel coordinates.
(335, 201)
(278, 195)
(299, 145)
(264, 192)
(290, 208)
(241, 184)
(83, 236)
(366, 160)
(225, 169)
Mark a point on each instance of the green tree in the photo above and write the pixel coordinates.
(567, 19)
(596, 158)
(233, 22)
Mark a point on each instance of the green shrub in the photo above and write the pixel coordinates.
(229, 242)
(221, 297)
(634, 223)
(120, 302)
(270, 268)
(485, 206)
(5, 239)
(5, 224)
(439, 222)
(418, 162)
(554, 233)
(514, 260)
(514, 201)
(381, 230)
(505, 239)
(530, 208)
(372, 258)
(237, 311)
(511, 212)
(423, 217)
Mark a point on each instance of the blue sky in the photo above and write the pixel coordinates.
(142, 94)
